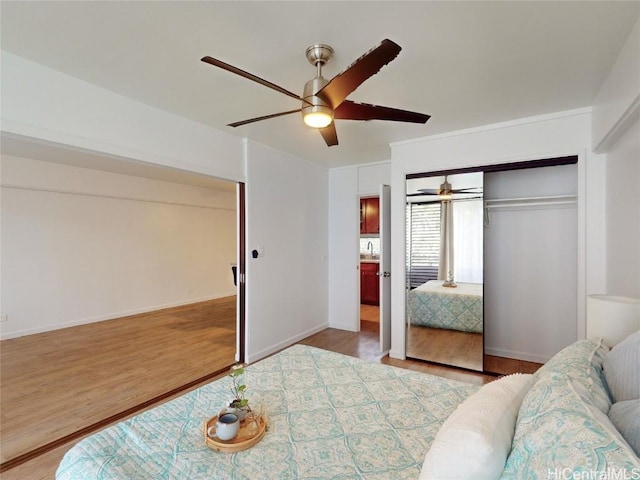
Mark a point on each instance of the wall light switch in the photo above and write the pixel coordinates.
(4, 318)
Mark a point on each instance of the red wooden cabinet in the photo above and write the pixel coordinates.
(369, 284)
(369, 215)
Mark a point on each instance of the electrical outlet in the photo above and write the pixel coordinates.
(4, 318)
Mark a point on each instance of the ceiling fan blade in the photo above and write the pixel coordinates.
(266, 117)
(436, 191)
(427, 191)
(364, 67)
(230, 68)
(466, 190)
(329, 134)
(349, 110)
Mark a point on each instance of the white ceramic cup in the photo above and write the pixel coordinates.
(226, 427)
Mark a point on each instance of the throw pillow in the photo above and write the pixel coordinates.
(622, 369)
(626, 418)
(475, 441)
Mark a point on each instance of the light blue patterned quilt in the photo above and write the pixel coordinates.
(460, 308)
(330, 417)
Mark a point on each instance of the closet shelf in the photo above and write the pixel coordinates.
(525, 203)
(531, 201)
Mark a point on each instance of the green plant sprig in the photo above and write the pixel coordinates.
(238, 388)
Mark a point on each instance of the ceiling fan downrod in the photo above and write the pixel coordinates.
(316, 112)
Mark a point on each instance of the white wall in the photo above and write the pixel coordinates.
(616, 132)
(617, 103)
(623, 215)
(564, 133)
(286, 197)
(371, 176)
(344, 253)
(82, 245)
(42, 103)
(287, 293)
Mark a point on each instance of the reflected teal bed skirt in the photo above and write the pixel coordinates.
(460, 308)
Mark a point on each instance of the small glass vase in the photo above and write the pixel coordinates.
(241, 412)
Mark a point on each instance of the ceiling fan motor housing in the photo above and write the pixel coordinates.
(312, 103)
(319, 53)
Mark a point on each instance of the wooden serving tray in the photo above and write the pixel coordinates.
(250, 433)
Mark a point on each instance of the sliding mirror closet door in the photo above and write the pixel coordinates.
(531, 264)
(444, 262)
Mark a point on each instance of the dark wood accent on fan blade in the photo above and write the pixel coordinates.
(349, 110)
(340, 86)
(266, 117)
(230, 68)
(329, 134)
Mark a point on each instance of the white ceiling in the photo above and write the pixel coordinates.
(464, 63)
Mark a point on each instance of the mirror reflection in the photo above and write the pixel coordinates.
(444, 291)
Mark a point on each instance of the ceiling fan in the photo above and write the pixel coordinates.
(324, 101)
(445, 191)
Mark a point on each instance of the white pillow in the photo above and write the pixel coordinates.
(625, 416)
(622, 369)
(475, 441)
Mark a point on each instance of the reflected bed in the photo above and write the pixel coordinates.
(460, 308)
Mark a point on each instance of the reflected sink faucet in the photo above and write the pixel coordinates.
(370, 247)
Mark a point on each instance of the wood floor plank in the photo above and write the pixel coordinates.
(448, 347)
(56, 383)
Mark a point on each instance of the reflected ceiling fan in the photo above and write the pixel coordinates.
(445, 191)
(324, 101)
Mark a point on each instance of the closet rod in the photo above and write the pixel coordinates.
(531, 201)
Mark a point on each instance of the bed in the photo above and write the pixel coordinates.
(460, 308)
(329, 416)
(337, 417)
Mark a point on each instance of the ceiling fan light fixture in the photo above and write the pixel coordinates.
(316, 112)
(445, 190)
(318, 117)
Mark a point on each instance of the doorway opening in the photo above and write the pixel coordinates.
(144, 287)
(369, 264)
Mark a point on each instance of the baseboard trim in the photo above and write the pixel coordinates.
(529, 357)
(254, 357)
(343, 326)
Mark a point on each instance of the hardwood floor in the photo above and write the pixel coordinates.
(448, 347)
(364, 344)
(57, 383)
(370, 313)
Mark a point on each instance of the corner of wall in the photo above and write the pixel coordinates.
(617, 104)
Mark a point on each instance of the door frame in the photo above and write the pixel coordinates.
(240, 274)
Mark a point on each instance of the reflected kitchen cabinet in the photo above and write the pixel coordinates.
(369, 215)
(369, 283)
